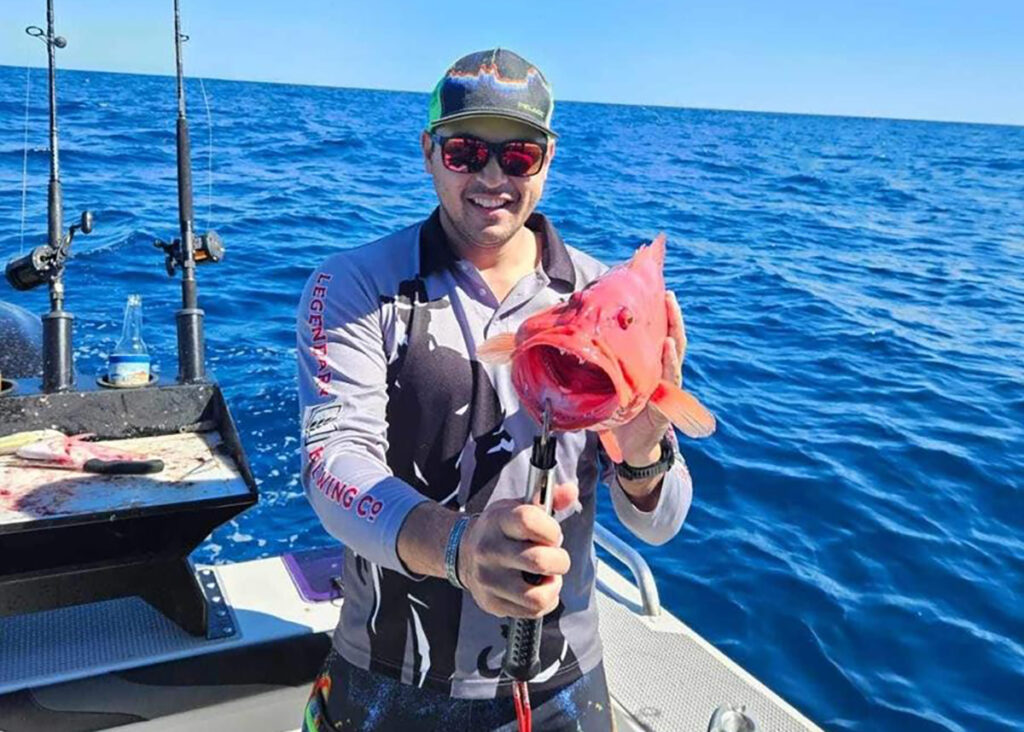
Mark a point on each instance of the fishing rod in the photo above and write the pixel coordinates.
(522, 654)
(46, 263)
(188, 251)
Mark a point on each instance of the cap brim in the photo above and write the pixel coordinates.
(503, 113)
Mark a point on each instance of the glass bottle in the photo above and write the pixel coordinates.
(129, 364)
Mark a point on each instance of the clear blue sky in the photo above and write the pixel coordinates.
(921, 59)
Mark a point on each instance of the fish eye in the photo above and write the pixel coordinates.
(625, 318)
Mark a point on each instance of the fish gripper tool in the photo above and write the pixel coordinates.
(522, 654)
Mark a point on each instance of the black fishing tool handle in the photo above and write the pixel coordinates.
(522, 654)
(123, 467)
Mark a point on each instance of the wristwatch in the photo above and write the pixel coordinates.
(668, 457)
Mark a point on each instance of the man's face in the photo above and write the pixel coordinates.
(486, 208)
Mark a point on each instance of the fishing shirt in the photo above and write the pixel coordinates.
(396, 409)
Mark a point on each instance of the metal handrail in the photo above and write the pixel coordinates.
(637, 565)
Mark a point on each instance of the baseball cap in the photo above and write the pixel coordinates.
(494, 83)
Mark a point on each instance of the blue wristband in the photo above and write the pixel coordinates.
(451, 552)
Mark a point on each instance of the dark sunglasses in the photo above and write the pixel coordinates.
(465, 154)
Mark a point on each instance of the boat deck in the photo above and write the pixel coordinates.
(134, 670)
(663, 676)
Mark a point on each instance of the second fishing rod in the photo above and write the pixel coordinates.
(189, 250)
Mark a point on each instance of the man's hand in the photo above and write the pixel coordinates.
(510, 538)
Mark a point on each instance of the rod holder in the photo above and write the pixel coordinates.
(191, 345)
(58, 371)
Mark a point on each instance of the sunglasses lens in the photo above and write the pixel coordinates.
(521, 158)
(464, 154)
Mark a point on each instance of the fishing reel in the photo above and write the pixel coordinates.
(208, 247)
(45, 262)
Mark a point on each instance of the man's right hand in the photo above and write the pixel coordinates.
(507, 539)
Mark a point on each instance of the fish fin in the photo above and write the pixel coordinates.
(610, 445)
(655, 249)
(658, 249)
(683, 409)
(497, 349)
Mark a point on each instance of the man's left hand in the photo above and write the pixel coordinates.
(640, 438)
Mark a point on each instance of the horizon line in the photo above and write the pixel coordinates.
(1016, 125)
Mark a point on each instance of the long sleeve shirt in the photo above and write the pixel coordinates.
(397, 410)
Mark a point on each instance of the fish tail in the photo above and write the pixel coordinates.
(497, 349)
(683, 409)
(10, 443)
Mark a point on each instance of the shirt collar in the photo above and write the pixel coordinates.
(436, 255)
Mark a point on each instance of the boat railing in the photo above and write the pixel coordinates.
(629, 556)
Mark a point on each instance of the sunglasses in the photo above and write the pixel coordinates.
(465, 154)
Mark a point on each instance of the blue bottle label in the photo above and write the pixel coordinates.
(128, 369)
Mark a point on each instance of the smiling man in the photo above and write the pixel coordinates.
(416, 454)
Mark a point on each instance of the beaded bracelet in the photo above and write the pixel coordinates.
(451, 552)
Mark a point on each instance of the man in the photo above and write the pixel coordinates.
(415, 454)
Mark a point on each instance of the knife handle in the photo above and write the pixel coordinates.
(123, 467)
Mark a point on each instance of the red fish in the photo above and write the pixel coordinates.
(597, 356)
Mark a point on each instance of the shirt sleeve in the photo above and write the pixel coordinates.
(342, 373)
(664, 521)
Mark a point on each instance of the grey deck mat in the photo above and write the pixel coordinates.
(123, 632)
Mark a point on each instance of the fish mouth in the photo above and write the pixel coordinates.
(576, 375)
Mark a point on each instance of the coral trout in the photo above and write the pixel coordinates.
(598, 356)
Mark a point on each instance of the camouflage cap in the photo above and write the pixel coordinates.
(495, 83)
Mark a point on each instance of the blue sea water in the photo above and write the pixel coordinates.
(854, 299)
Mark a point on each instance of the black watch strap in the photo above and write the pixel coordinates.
(668, 457)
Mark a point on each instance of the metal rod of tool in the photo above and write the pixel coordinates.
(191, 346)
(522, 656)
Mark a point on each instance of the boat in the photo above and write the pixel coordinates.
(105, 623)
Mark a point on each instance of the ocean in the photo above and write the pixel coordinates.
(854, 300)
